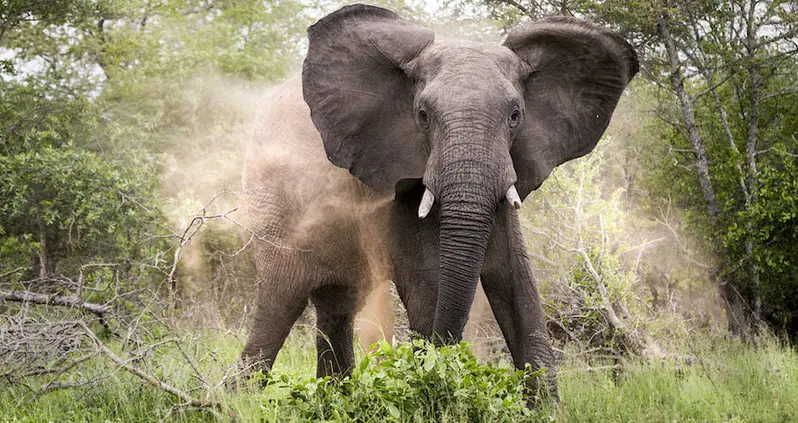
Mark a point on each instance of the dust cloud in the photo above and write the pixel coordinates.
(673, 263)
(233, 127)
(201, 177)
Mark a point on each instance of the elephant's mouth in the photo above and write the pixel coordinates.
(428, 200)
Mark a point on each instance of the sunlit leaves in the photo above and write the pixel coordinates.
(405, 383)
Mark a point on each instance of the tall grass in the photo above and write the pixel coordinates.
(725, 382)
(717, 380)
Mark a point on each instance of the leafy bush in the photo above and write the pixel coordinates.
(410, 382)
(69, 203)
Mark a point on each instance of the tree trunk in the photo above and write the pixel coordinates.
(46, 268)
(688, 111)
(737, 309)
(752, 136)
(733, 303)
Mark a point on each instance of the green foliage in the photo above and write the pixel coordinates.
(16, 251)
(15, 12)
(36, 114)
(774, 215)
(409, 382)
(78, 204)
(252, 39)
(725, 381)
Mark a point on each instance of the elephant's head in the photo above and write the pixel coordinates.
(477, 124)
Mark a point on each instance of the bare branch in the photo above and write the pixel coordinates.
(520, 7)
(209, 405)
(11, 272)
(687, 106)
(60, 370)
(642, 246)
(790, 91)
(54, 299)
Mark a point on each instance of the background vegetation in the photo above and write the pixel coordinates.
(667, 257)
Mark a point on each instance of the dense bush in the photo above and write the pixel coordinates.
(69, 203)
(409, 382)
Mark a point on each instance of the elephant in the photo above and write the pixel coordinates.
(400, 157)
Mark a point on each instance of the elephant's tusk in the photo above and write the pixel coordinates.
(513, 198)
(426, 203)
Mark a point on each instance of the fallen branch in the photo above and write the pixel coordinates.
(208, 405)
(54, 299)
(11, 272)
(60, 386)
(59, 370)
(609, 311)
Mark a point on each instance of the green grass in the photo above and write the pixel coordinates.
(727, 381)
(731, 383)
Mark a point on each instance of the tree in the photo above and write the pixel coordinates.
(724, 70)
(69, 203)
(725, 63)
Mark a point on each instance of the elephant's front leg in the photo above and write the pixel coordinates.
(414, 256)
(514, 298)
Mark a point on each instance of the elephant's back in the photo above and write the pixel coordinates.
(295, 195)
(286, 152)
(284, 133)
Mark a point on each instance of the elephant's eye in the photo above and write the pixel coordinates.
(514, 119)
(423, 117)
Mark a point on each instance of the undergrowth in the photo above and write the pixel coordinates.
(411, 382)
(722, 381)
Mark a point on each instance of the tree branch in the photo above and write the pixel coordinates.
(54, 299)
(209, 405)
(520, 7)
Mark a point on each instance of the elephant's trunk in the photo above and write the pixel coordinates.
(468, 192)
(464, 233)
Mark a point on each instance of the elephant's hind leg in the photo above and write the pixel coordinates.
(335, 309)
(282, 298)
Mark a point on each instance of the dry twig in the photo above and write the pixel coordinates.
(54, 299)
(210, 405)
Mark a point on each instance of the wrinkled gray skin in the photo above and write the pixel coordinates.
(404, 113)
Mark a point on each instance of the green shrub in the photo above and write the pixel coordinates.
(410, 382)
(70, 203)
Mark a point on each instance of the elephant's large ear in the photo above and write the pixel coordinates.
(360, 96)
(577, 73)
